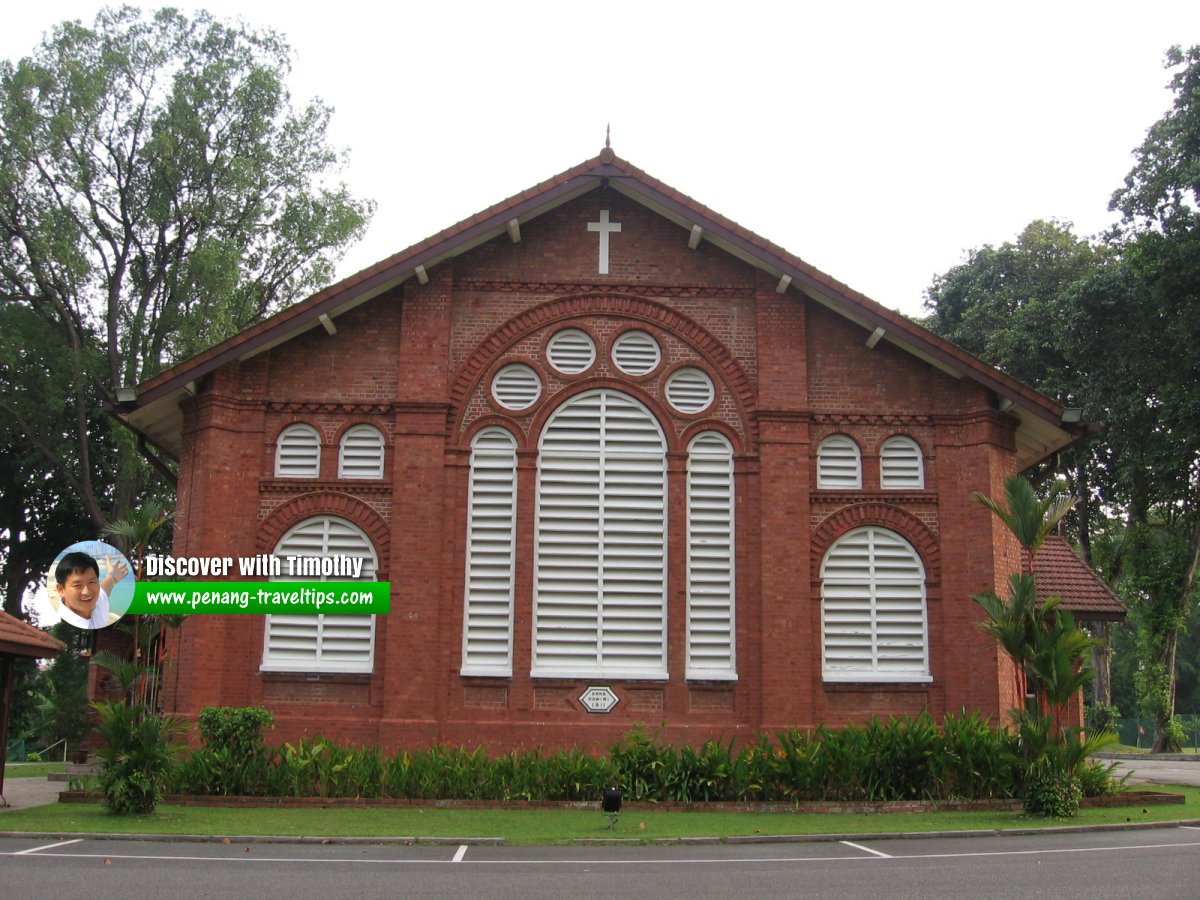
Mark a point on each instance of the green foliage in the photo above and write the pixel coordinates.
(237, 729)
(1101, 716)
(138, 751)
(1053, 793)
(158, 192)
(1030, 518)
(900, 759)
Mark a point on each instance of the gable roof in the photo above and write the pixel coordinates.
(155, 414)
(1060, 572)
(19, 638)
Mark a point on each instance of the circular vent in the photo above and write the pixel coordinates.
(690, 390)
(571, 351)
(636, 353)
(516, 386)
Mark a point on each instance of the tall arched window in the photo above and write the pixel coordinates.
(873, 617)
(321, 643)
(839, 465)
(900, 465)
(298, 452)
(491, 542)
(710, 575)
(361, 453)
(600, 571)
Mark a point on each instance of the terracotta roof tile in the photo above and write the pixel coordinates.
(22, 639)
(1061, 573)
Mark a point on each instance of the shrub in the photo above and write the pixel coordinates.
(134, 764)
(1102, 716)
(234, 728)
(1053, 793)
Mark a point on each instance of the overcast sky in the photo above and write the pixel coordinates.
(877, 141)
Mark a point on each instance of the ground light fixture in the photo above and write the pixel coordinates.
(611, 804)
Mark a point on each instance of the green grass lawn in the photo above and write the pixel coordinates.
(551, 826)
(32, 770)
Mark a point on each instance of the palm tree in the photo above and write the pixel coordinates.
(134, 534)
(1029, 518)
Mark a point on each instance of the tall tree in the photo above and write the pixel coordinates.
(1160, 202)
(158, 192)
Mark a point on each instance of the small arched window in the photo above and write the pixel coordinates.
(873, 622)
(900, 465)
(298, 452)
(322, 643)
(839, 465)
(361, 453)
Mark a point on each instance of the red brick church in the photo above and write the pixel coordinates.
(621, 461)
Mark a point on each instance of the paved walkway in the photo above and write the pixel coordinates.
(21, 793)
(1143, 770)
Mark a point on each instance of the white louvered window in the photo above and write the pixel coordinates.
(710, 575)
(690, 390)
(839, 465)
(516, 387)
(361, 453)
(600, 570)
(571, 351)
(873, 609)
(491, 543)
(900, 465)
(322, 643)
(636, 353)
(298, 452)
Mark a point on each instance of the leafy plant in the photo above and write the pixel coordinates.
(138, 752)
(234, 728)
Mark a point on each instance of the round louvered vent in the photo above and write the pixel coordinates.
(516, 386)
(636, 353)
(690, 390)
(571, 351)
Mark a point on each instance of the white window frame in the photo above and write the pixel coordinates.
(613, 470)
(879, 589)
(300, 435)
(711, 552)
(832, 454)
(493, 456)
(277, 661)
(905, 449)
(353, 434)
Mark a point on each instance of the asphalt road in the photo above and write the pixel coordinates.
(1161, 862)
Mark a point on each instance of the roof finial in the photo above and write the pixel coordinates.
(608, 136)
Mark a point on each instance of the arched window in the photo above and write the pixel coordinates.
(321, 643)
(839, 465)
(873, 617)
(361, 453)
(710, 575)
(298, 452)
(491, 543)
(900, 465)
(600, 572)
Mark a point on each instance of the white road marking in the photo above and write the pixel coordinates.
(866, 849)
(602, 862)
(1191, 827)
(462, 851)
(47, 847)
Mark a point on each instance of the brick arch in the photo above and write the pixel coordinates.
(903, 523)
(562, 309)
(327, 503)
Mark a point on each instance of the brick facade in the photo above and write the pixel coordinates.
(416, 362)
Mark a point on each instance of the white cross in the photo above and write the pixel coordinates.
(605, 228)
